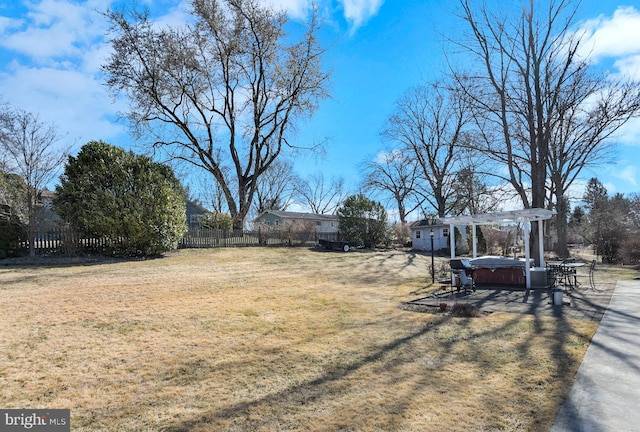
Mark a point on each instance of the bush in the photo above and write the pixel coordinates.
(135, 203)
(363, 222)
(608, 244)
(401, 234)
(11, 231)
(465, 310)
(630, 251)
(215, 220)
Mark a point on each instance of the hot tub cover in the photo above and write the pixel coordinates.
(496, 262)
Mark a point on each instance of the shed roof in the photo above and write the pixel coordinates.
(300, 215)
(426, 223)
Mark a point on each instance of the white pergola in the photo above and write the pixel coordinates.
(525, 216)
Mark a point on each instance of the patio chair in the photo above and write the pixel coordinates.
(467, 283)
(464, 272)
(554, 275)
(592, 267)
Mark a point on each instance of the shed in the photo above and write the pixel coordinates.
(421, 234)
(193, 211)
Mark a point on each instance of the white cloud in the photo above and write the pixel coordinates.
(384, 156)
(176, 16)
(613, 37)
(7, 24)
(74, 101)
(356, 12)
(628, 175)
(52, 55)
(629, 66)
(55, 28)
(359, 11)
(629, 133)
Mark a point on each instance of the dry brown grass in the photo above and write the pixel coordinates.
(272, 339)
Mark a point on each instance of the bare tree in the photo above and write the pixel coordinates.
(429, 123)
(225, 91)
(32, 152)
(320, 195)
(529, 66)
(276, 187)
(593, 110)
(395, 175)
(207, 187)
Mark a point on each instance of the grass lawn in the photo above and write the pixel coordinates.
(266, 339)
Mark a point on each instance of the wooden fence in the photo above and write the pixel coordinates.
(64, 241)
(210, 238)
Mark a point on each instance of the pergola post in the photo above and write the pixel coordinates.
(452, 245)
(541, 243)
(527, 255)
(474, 240)
(452, 240)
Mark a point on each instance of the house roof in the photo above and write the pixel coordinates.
(195, 208)
(426, 223)
(299, 215)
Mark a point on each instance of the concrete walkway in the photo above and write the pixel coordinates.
(605, 395)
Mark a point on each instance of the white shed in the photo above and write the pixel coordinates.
(421, 235)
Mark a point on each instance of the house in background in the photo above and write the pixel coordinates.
(321, 223)
(46, 218)
(421, 235)
(194, 210)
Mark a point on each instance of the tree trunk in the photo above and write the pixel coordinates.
(561, 224)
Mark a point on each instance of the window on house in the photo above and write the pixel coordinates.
(445, 232)
(276, 222)
(318, 223)
(417, 234)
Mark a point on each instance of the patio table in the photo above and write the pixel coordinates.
(569, 273)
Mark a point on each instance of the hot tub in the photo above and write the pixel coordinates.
(494, 270)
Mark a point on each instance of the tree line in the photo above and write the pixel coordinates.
(610, 223)
(526, 117)
(525, 121)
(522, 117)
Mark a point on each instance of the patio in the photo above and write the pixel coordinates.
(581, 303)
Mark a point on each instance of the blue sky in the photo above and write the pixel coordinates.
(51, 50)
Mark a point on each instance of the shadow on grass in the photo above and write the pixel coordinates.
(312, 390)
(315, 390)
(71, 261)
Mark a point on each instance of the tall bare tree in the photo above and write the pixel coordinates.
(32, 151)
(529, 79)
(429, 124)
(223, 92)
(395, 174)
(322, 196)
